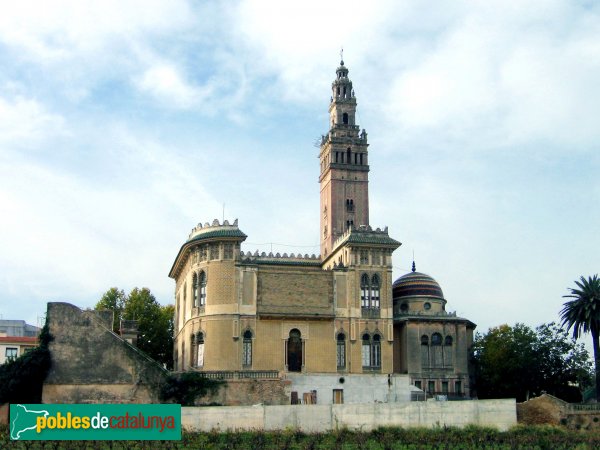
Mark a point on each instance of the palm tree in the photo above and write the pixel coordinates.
(583, 315)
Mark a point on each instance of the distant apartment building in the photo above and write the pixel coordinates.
(16, 338)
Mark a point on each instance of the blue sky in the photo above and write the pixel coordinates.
(124, 124)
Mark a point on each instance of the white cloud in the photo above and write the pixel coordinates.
(165, 82)
(59, 29)
(25, 120)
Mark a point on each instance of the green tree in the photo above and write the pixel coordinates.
(155, 322)
(583, 315)
(113, 300)
(519, 361)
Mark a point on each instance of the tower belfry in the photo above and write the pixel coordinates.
(344, 175)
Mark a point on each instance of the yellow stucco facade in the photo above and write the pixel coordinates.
(332, 313)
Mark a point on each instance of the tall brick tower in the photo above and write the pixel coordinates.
(344, 174)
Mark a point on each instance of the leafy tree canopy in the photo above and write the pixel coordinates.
(155, 322)
(519, 362)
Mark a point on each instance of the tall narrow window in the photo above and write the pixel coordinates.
(294, 351)
(202, 283)
(448, 351)
(183, 311)
(341, 351)
(345, 118)
(214, 251)
(228, 251)
(364, 291)
(193, 353)
(200, 349)
(436, 350)
(247, 349)
(431, 387)
(366, 350)
(195, 290)
(424, 351)
(375, 291)
(349, 157)
(376, 352)
(457, 387)
(183, 355)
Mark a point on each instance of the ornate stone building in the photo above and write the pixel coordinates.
(338, 313)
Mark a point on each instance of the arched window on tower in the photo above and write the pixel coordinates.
(195, 290)
(247, 349)
(341, 351)
(348, 156)
(202, 283)
(375, 291)
(345, 118)
(364, 291)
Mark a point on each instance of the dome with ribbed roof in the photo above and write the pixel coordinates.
(417, 284)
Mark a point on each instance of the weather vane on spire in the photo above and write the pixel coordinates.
(342, 55)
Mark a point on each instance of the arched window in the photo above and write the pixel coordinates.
(247, 349)
(199, 350)
(364, 291)
(375, 291)
(195, 290)
(366, 350)
(448, 341)
(371, 351)
(376, 352)
(202, 282)
(349, 157)
(436, 339)
(345, 118)
(294, 351)
(193, 354)
(341, 351)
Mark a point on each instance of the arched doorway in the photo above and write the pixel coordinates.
(294, 351)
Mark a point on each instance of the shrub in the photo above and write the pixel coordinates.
(22, 379)
(186, 387)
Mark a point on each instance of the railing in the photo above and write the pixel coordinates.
(440, 396)
(586, 407)
(240, 374)
(371, 313)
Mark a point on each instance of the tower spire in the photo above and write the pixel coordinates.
(344, 174)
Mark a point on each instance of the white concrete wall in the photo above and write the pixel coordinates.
(501, 414)
(358, 388)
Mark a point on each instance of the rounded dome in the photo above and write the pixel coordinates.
(416, 284)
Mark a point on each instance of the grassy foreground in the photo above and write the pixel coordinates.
(530, 437)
